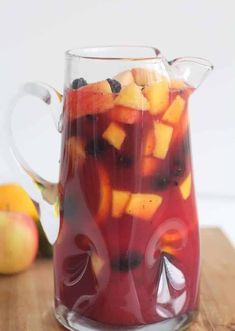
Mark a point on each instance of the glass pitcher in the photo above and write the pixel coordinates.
(126, 255)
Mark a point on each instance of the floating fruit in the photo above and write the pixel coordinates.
(119, 202)
(131, 96)
(124, 115)
(115, 85)
(149, 143)
(143, 76)
(90, 99)
(149, 166)
(174, 111)
(104, 196)
(115, 135)
(143, 205)
(163, 134)
(185, 187)
(79, 82)
(125, 78)
(158, 96)
(95, 146)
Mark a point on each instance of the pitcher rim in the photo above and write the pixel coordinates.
(86, 53)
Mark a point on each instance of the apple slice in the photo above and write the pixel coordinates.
(163, 134)
(125, 78)
(143, 205)
(149, 143)
(115, 135)
(158, 96)
(149, 166)
(119, 202)
(124, 115)
(105, 195)
(131, 96)
(174, 111)
(143, 76)
(91, 99)
(97, 263)
(185, 187)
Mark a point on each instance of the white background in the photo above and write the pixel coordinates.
(35, 34)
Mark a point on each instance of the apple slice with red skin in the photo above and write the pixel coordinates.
(91, 99)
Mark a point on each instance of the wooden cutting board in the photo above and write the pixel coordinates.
(26, 300)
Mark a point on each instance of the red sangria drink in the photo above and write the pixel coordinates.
(127, 254)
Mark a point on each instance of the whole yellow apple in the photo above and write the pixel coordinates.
(18, 242)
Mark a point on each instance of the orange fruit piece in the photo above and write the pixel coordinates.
(143, 205)
(149, 166)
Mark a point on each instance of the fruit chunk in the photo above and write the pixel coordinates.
(149, 143)
(119, 202)
(158, 96)
(97, 263)
(149, 166)
(185, 187)
(131, 96)
(174, 111)
(14, 198)
(163, 134)
(177, 84)
(76, 149)
(115, 135)
(125, 78)
(143, 76)
(18, 242)
(143, 205)
(105, 195)
(124, 114)
(90, 99)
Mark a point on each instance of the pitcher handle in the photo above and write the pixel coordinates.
(48, 202)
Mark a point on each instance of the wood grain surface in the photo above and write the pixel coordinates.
(26, 300)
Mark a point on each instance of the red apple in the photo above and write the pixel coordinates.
(18, 242)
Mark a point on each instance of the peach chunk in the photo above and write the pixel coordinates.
(174, 111)
(124, 115)
(185, 187)
(105, 195)
(143, 76)
(158, 96)
(119, 202)
(90, 99)
(125, 78)
(149, 166)
(97, 263)
(131, 96)
(115, 135)
(163, 134)
(143, 205)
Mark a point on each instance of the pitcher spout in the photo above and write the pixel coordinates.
(192, 70)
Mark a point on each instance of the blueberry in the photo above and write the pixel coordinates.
(79, 82)
(161, 182)
(91, 117)
(126, 261)
(95, 146)
(124, 161)
(115, 85)
(178, 168)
